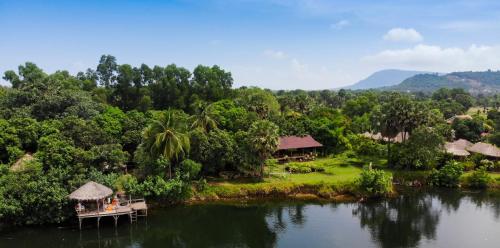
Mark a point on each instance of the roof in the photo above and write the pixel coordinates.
(458, 147)
(295, 142)
(91, 191)
(19, 164)
(485, 149)
(460, 117)
(378, 136)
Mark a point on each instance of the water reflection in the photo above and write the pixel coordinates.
(399, 222)
(417, 219)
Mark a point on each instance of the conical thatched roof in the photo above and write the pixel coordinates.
(458, 148)
(91, 191)
(485, 149)
(19, 164)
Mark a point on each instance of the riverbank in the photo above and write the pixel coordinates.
(335, 179)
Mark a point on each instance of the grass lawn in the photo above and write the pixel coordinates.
(340, 174)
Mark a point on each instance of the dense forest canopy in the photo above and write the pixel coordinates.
(152, 130)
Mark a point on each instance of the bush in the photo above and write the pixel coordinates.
(370, 147)
(469, 165)
(448, 176)
(479, 179)
(375, 182)
(190, 169)
(486, 164)
(297, 167)
(173, 190)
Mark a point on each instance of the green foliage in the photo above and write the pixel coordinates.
(421, 151)
(173, 190)
(448, 176)
(32, 197)
(298, 167)
(261, 102)
(363, 146)
(468, 129)
(214, 150)
(478, 179)
(190, 169)
(373, 182)
(263, 138)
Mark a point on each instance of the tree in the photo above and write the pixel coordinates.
(106, 70)
(211, 83)
(257, 100)
(264, 139)
(204, 120)
(468, 129)
(167, 137)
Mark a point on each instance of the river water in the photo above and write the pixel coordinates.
(415, 219)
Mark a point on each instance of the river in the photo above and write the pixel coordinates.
(414, 219)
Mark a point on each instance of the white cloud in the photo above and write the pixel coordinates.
(436, 58)
(403, 35)
(275, 54)
(340, 24)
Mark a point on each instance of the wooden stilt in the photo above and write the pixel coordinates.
(80, 223)
(116, 219)
(98, 220)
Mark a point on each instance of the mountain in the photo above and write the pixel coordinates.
(383, 78)
(473, 82)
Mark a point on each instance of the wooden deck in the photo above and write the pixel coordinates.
(133, 209)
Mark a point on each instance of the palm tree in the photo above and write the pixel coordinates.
(264, 140)
(204, 120)
(166, 137)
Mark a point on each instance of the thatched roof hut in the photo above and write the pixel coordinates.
(485, 149)
(378, 136)
(19, 164)
(458, 148)
(460, 117)
(91, 191)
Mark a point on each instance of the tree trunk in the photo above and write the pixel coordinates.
(389, 152)
(169, 171)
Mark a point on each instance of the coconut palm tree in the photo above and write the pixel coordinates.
(264, 139)
(166, 137)
(204, 120)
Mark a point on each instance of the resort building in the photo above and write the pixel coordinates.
(297, 148)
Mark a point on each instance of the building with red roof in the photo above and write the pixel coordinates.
(300, 148)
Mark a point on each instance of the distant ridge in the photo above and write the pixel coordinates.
(383, 78)
(474, 82)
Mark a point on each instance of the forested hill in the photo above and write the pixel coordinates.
(473, 82)
(383, 78)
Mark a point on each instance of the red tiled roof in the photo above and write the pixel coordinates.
(295, 142)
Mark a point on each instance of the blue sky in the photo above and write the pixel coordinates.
(277, 44)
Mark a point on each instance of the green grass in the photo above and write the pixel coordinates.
(338, 178)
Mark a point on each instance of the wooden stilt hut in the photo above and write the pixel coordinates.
(93, 192)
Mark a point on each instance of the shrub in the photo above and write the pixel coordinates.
(469, 165)
(370, 148)
(297, 167)
(375, 182)
(486, 164)
(448, 176)
(190, 169)
(479, 179)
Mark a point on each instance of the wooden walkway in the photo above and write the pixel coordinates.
(133, 209)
